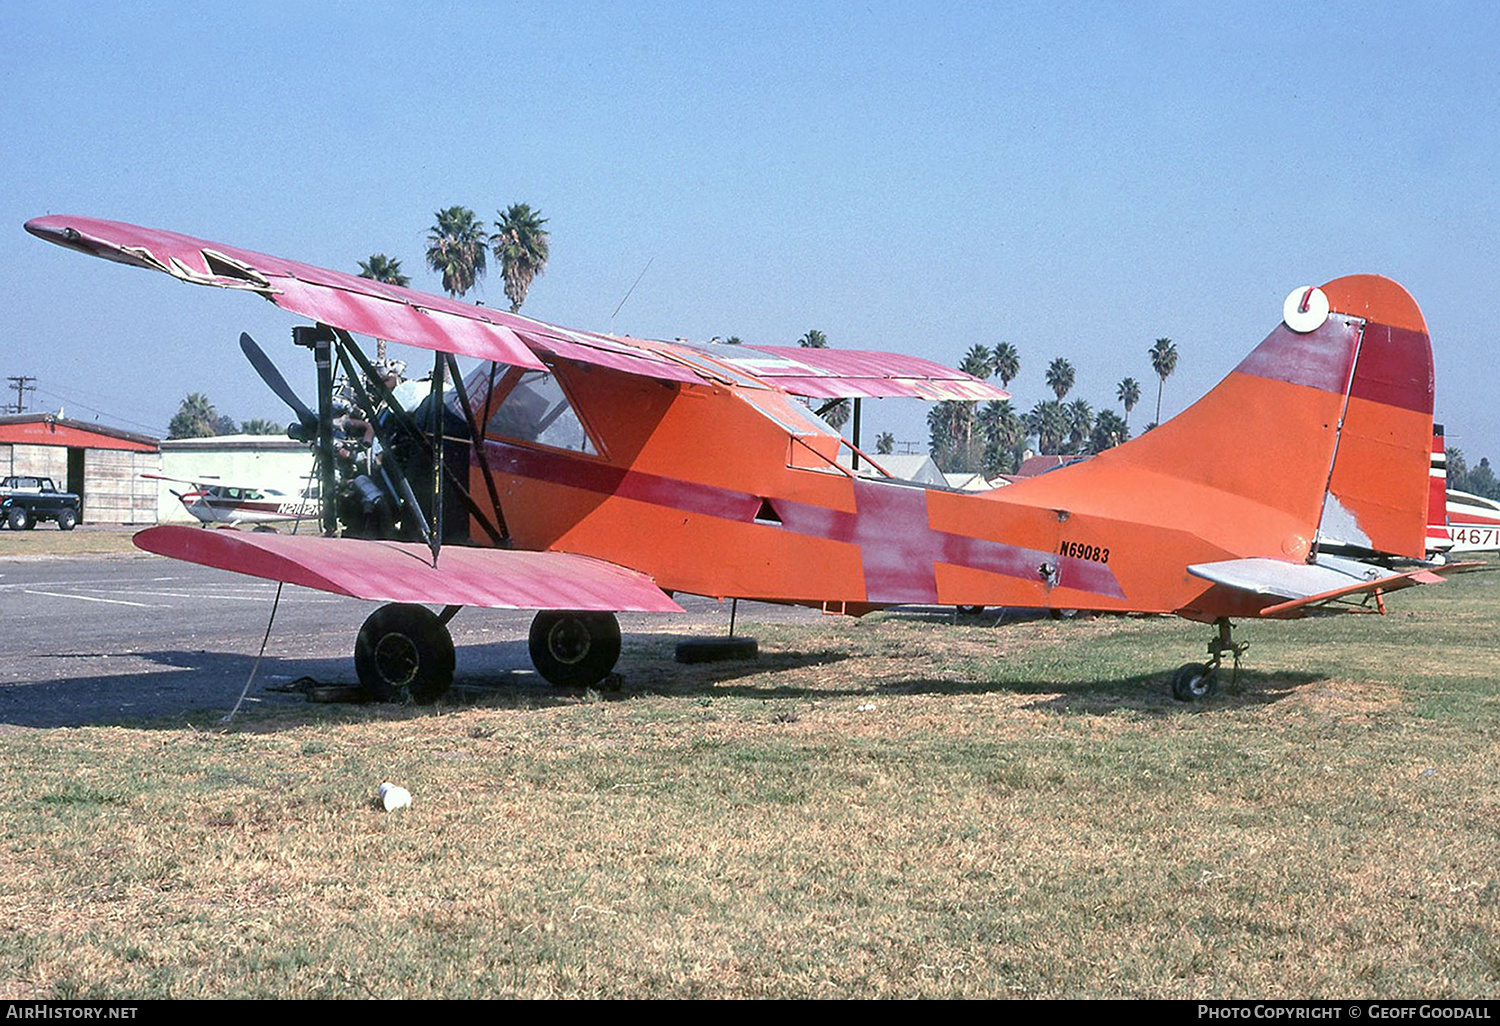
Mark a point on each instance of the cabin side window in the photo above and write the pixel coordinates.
(536, 410)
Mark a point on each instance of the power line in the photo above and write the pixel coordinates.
(153, 429)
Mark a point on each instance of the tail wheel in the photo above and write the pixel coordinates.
(404, 653)
(574, 649)
(66, 519)
(1194, 681)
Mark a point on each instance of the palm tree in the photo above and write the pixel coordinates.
(1005, 363)
(383, 269)
(1164, 362)
(1002, 432)
(262, 426)
(944, 425)
(836, 415)
(978, 361)
(1060, 377)
(1109, 431)
(456, 246)
(1458, 469)
(1129, 393)
(1049, 422)
(520, 242)
(196, 418)
(885, 443)
(1080, 422)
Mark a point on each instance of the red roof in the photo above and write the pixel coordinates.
(49, 429)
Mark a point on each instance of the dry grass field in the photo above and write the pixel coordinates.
(904, 806)
(47, 540)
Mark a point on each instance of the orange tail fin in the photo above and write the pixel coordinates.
(1322, 435)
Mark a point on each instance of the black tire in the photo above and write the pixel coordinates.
(715, 650)
(1193, 681)
(573, 649)
(404, 653)
(19, 519)
(971, 610)
(66, 519)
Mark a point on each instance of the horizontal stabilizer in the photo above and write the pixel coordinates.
(1310, 584)
(1290, 580)
(385, 571)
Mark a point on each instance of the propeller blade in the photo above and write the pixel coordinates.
(273, 379)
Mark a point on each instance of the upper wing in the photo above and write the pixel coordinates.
(355, 304)
(857, 374)
(403, 572)
(371, 308)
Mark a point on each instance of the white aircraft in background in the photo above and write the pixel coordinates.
(212, 501)
(1457, 521)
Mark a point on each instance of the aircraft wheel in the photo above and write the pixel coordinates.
(19, 519)
(574, 650)
(1194, 681)
(404, 653)
(66, 519)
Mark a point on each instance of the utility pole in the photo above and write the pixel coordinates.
(19, 383)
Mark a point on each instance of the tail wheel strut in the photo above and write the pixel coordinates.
(1193, 681)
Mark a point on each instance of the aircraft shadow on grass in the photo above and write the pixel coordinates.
(198, 687)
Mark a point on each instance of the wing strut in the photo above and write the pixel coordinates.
(349, 351)
(391, 466)
(435, 400)
(476, 432)
(319, 339)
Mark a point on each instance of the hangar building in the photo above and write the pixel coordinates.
(103, 465)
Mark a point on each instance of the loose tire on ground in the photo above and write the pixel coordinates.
(714, 650)
(1193, 681)
(66, 519)
(404, 653)
(574, 649)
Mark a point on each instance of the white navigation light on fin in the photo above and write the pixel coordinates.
(1305, 309)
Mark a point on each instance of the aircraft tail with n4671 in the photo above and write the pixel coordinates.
(1458, 521)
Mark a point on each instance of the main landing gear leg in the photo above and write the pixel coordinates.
(1198, 680)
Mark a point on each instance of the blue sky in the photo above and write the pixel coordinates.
(916, 178)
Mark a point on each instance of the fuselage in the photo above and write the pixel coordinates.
(734, 490)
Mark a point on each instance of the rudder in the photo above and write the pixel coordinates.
(1378, 491)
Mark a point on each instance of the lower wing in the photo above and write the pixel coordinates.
(385, 571)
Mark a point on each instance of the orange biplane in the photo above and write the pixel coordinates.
(583, 474)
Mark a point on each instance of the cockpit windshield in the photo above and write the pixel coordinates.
(537, 410)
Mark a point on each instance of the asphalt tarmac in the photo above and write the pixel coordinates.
(107, 640)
